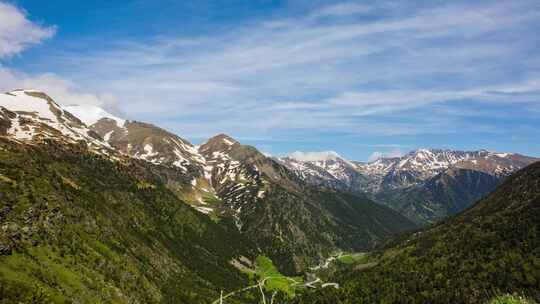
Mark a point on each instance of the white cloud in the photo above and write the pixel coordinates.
(17, 32)
(314, 156)
(378, 155)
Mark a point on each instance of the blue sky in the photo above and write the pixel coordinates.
(363, 78)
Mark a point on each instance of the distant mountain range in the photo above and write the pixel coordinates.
(425, 185)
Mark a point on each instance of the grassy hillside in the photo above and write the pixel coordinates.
(78, 228)
(490, 249)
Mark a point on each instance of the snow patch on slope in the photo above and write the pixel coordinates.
(21, 132)
(19, 101)
(228, 142)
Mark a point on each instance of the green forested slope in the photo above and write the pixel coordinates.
(492, 248)
(441, 196)
(78, 228)
(302, 227)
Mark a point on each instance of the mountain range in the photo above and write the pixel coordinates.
(285, 218)
(426, 185)
(95, 208)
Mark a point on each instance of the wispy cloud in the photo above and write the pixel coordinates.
(17, 32)
(342, 9)
(335, 71)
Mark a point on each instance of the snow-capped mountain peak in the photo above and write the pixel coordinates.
(31, 115)
(91, 114)
(32, 102)
(219, 143)
(324, 168)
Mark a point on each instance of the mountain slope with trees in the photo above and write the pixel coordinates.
(446, 193)
(77, 227)
(492, 248)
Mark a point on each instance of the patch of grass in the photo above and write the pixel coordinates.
(353, 258)
(142, 185)
(40, 270)
(274, 280)
(212, 200)
(510, 299)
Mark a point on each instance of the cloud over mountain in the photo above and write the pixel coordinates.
(314, 156)
(391, 154)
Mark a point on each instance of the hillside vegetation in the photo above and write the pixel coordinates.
(492, 248)
(78, 228)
